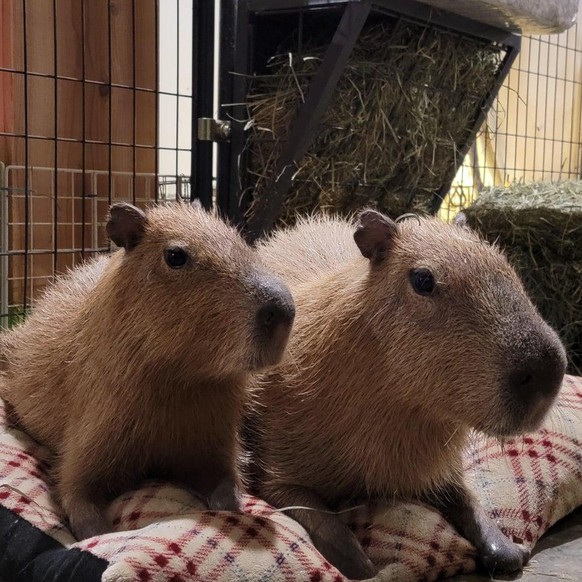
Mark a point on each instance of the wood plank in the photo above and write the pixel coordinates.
(83, 113)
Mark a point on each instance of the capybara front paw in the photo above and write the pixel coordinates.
(504, 557)
(226, 497)
(356, 568)
(349, 558)
(84, 527)
(86, 519)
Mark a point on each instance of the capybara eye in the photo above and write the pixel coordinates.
(176, 257)
(422, 281)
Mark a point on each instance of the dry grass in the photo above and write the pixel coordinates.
(405, 103)
(540, 227)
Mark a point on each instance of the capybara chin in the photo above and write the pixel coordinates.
(136, 365)
(408, 335)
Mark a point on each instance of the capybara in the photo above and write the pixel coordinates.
(408, 335)
(136, 365)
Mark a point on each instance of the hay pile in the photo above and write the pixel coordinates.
(540, 227)
(404, 105)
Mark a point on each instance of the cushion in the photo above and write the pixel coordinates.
(164, 533)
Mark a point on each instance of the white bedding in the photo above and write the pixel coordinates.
(527, 16)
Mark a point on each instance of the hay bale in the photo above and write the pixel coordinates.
(390, 138)
(540, 227)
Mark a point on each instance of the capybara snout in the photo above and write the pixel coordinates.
(534, 378)
(274, 320)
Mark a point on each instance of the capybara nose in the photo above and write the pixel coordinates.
(274, 321)
(541, 375)
(278, 309)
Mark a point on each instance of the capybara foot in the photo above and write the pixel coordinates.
(345, 553)
(496, 551)
(225, 497)
(86, 520)
(502, 556)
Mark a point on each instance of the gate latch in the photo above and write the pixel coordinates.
(210, 129)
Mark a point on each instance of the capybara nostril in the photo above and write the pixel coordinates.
(520, 380)
(275, 313)
(273, 321)
(540, 376)
(278, 307)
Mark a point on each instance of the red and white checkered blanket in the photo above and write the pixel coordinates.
(163, 533)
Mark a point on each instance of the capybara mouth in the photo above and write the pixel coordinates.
(518, 418)
(273, 323)
(531, 383)
(271, 347)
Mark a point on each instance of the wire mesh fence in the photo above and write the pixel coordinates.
(97, 101)
(90, 116)
(533, 132)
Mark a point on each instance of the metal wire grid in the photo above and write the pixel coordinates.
(83, 101)
(553, 80)
(175, 26)
(278, 29)
(533, 131)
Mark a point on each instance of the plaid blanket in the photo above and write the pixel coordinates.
(163, 533)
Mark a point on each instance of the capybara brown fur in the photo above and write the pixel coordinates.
(408, 336)
(136, 365)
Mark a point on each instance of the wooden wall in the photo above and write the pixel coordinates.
(78, 107)
(533, 131)
(536, 123)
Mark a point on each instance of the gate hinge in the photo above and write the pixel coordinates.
(210, 129)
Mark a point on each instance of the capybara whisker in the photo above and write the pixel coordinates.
(329, 511)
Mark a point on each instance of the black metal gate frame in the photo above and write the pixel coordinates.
(202, 98)
(236, 48)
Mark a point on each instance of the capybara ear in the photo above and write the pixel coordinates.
(126, 225)
(461, 220)
(374, 235)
